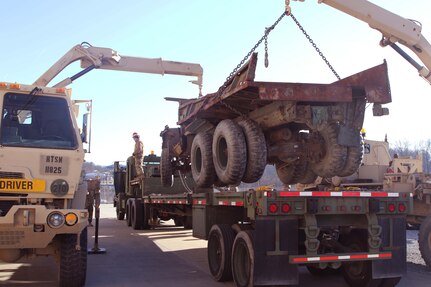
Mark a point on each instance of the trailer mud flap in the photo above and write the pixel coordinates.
(393, 239)
(274, 241)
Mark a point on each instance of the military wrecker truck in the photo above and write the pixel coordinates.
(42, 191)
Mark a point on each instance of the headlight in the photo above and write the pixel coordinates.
(59, 187)
(71, 219)
(55, 219)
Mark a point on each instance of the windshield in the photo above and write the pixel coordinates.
(36, 121)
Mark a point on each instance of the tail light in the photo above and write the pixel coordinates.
(273, 208)
(285, 208)
(402, 207)
(391, 207)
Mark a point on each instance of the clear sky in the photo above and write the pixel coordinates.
(216, 34)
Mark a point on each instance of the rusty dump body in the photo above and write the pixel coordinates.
(248, 96)
(297, 119)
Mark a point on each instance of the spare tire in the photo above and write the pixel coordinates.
(256, 151)
(333, 156)
(229, 152)
(202, 160)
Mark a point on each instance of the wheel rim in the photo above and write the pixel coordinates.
(214, 253)
(222, 153)
(242, 264)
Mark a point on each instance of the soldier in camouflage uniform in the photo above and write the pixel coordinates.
(138, 154)
(93, 197)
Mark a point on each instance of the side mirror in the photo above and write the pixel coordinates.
(84, 132)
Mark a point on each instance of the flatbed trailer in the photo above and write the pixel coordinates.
(262, 236)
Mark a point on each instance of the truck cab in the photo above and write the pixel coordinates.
(41, 155)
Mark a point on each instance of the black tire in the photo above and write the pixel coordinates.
(137, 214)
(229, 152)
(165, 168)
(290, 173)
(425, 240)
(128, 212)
(120, 214)
(188, 222)
(333, 156)
(71, 271)
(146, 213)
(220, 242)
(202, 160)
(353, 160)
(256, 151)
(358, 273)
(83, 240)
(179, 221)
(243, 259)
(390, 282)
(308, 177)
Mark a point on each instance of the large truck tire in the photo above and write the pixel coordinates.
(202, 160)
(256, 151)
(220, 242)
(353, 160)
(137, 214)
(128, 212)
(290, 173)
(83, 244)
(358, 273)
(73, 262)
(146, 214)
(243, 259)
(165, 168)
(333, 157)
(425, 240)
(229, 152)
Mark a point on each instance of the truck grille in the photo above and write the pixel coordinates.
(7, 174)
(10, 237)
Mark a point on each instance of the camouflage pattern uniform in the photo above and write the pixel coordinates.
(138, 154)
(93, 198)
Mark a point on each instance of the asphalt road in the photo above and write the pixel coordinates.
(167, 256)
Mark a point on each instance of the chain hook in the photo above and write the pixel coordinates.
(287, 9)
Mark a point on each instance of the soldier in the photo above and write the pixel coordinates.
(93, 197)
(138, 154)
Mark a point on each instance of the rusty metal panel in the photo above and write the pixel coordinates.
(304, 92)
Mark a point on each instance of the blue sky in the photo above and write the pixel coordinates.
(215, 34)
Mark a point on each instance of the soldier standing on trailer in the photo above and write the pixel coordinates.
(93, 197)
(138, 154)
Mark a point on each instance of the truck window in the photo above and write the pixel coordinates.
(36, 121)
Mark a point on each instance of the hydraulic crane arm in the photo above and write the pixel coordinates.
(394, 29)
(105, 58)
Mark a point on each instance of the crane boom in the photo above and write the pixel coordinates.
(108, 59)
(394, 29)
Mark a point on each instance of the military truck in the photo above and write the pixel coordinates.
(381, 171)
(261, 236)
(41, 189)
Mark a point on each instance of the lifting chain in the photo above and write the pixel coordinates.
(315, 46)
(235, 70)
(287, 12)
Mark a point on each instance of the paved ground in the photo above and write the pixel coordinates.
(167, 256)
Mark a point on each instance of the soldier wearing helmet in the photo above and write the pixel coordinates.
(138, 155)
